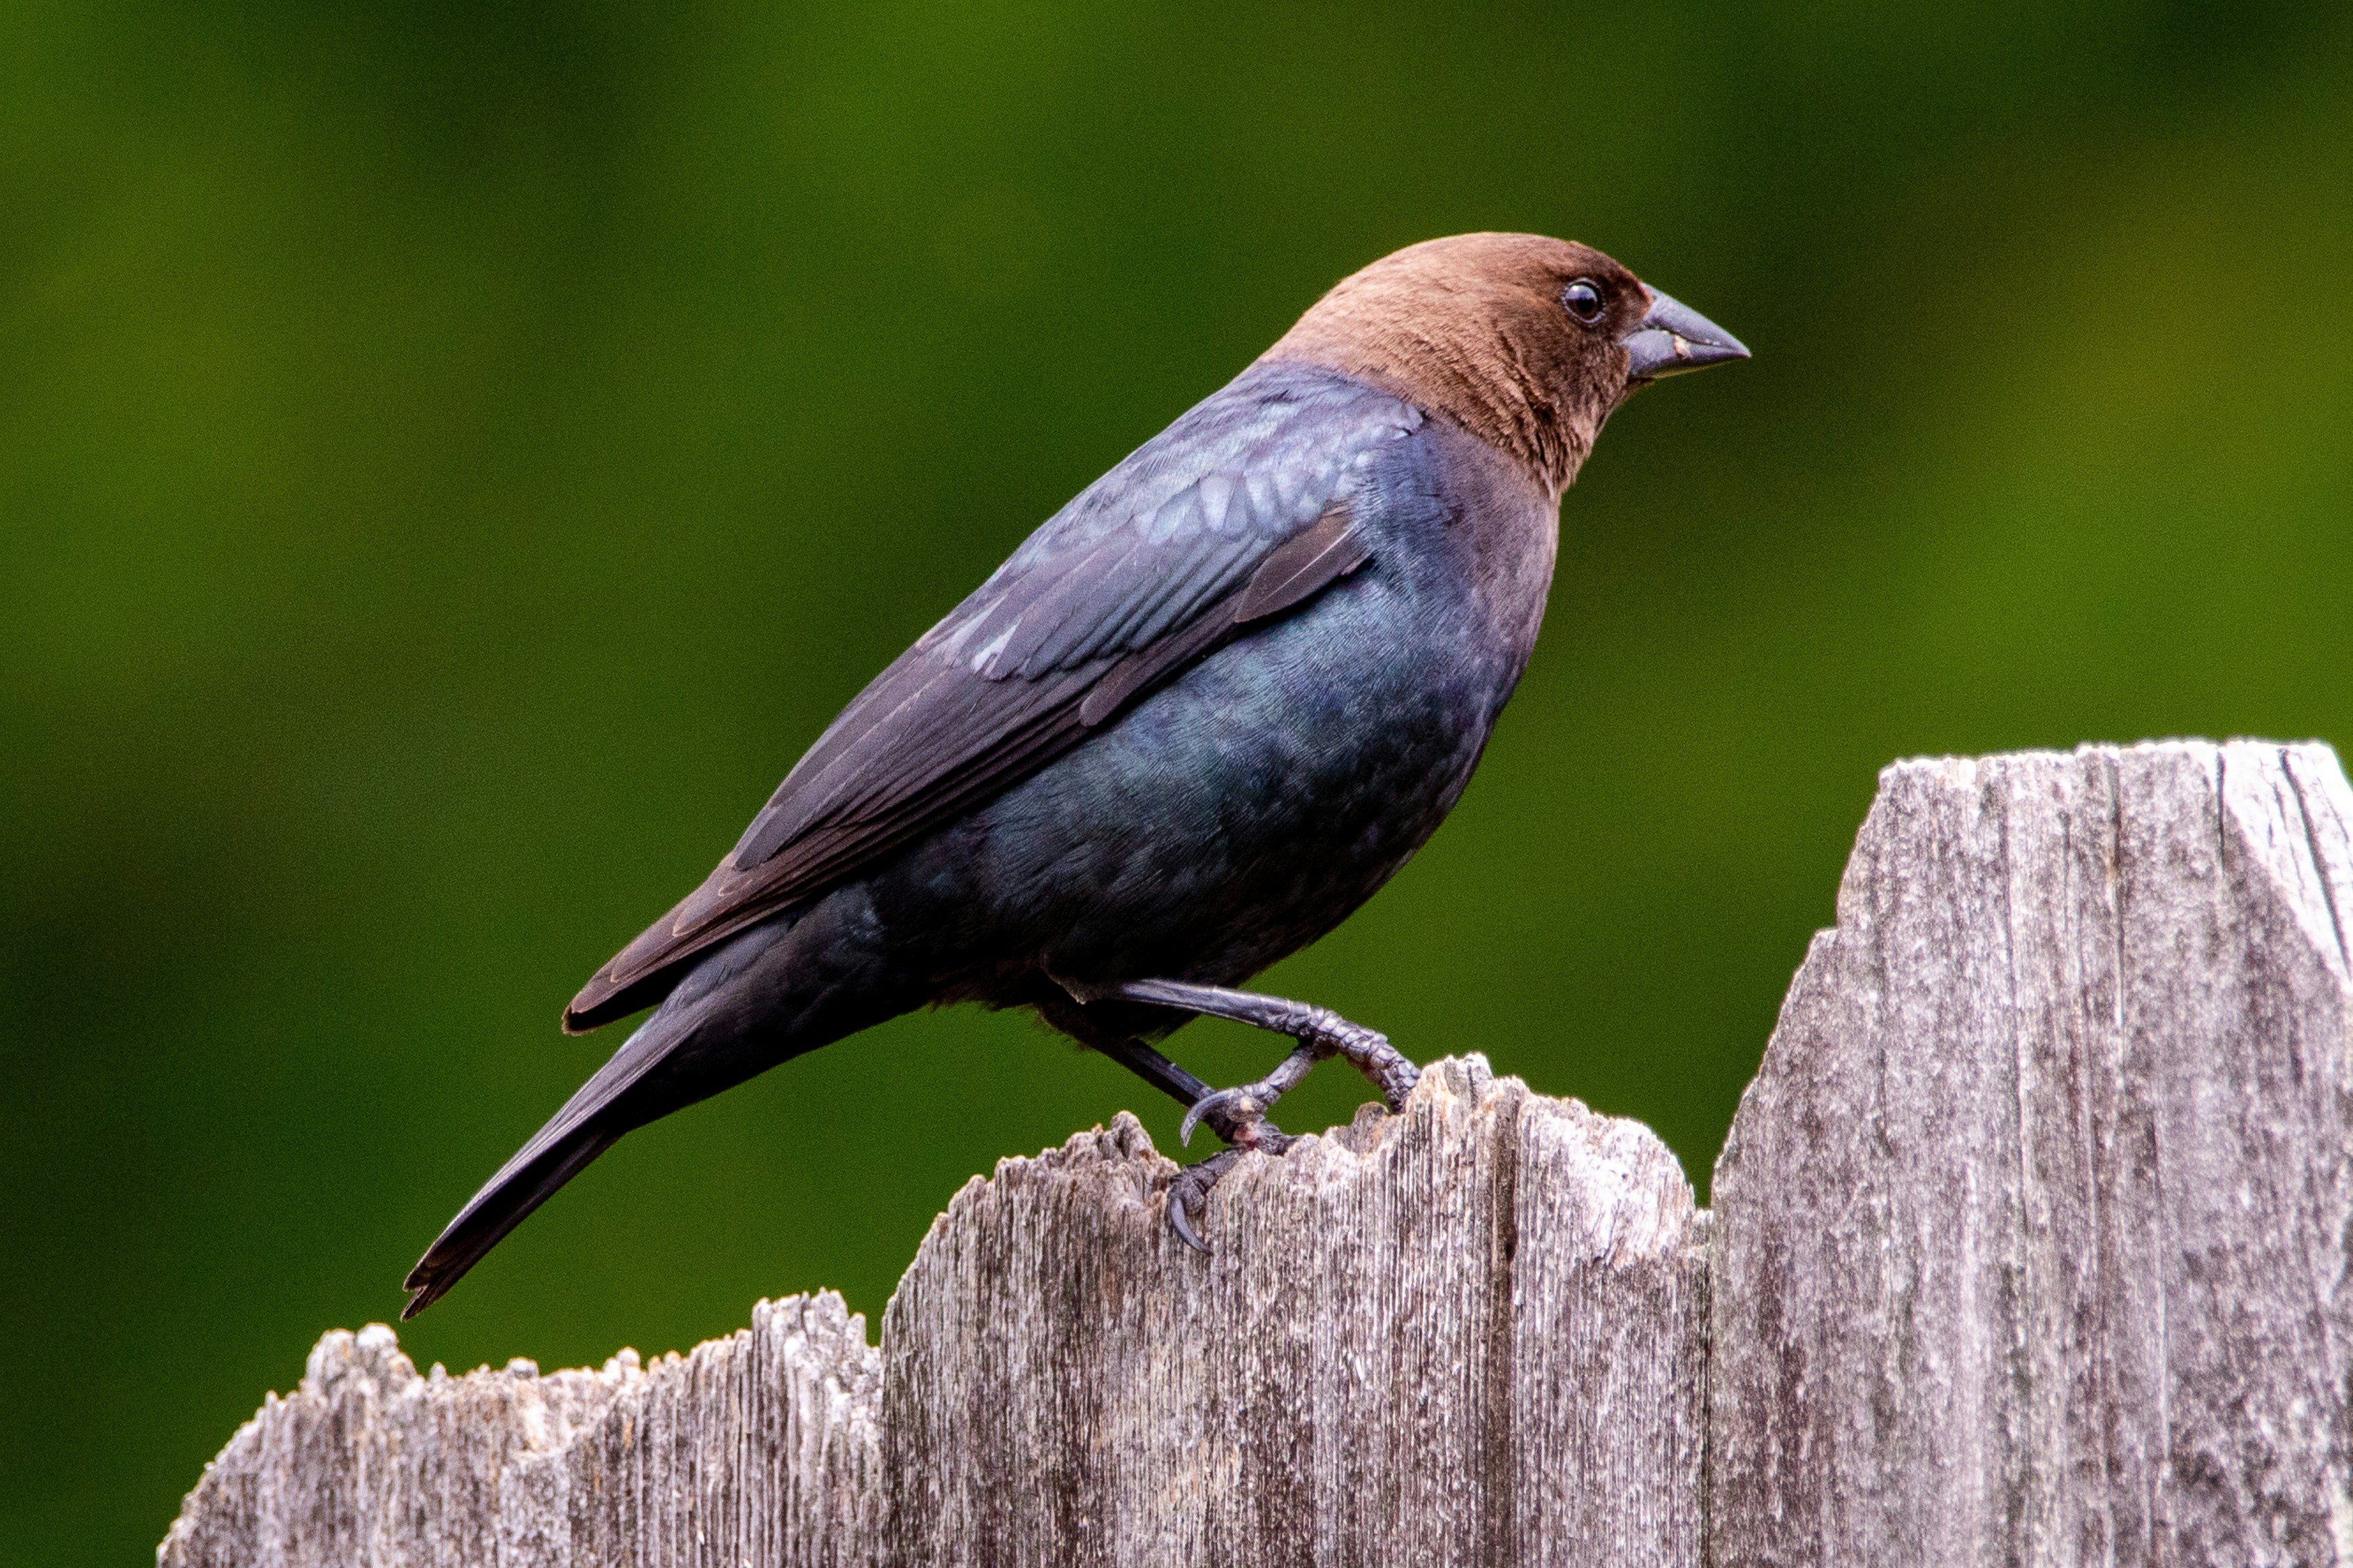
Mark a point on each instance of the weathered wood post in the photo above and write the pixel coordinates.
(2032, 1230)
(2030, 1246)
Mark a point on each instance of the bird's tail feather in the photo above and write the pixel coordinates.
(497, 1209)
(591, 1122)
(700, 1040)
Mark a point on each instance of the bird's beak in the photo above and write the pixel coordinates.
(1674, 338)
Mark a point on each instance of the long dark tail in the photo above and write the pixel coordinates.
(772, 993)
(639, 1083)
(616, 1098)
(497, 1208)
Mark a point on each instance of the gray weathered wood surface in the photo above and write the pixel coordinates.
(2030, 1246)
(1469, 1334)
(2032, 1230)
(759, 1447)
(1464, 1333)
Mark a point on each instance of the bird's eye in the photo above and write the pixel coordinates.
(1583, 299)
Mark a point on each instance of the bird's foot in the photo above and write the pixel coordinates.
(1247, 1104)
(1321, 1033)
(1238, 1114)
(1191, 1192)
(1188, 1195)
(1388, 1070)
(1238, 1117)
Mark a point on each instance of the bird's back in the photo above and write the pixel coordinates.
(1248, 806)
(1138, 575)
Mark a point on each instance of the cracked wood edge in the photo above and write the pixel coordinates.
(1471, 1333)
(758, 1447)
(2031, 1233)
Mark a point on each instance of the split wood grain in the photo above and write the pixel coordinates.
(1471, 1333)
(2032, 1230)
(759, 1447)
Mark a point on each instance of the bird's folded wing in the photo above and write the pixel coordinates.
(1232, 516)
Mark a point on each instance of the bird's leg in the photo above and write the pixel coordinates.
(1224, 1119)
(1321, 1033)
(1238, 1114)
(1149, 1065)
(1244, 1126)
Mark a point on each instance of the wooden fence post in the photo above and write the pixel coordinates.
(2032, 1230)
(2031, 1245)
(1448, 1338)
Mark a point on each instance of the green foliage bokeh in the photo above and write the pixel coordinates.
(454, 457)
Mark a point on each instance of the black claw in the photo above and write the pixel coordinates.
(1179, 1222)
(1223, 1100)
(1190, 1190)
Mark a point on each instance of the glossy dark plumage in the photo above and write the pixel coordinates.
(1194, 720)
(1151, 564)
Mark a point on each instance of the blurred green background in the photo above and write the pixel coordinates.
(454, 457)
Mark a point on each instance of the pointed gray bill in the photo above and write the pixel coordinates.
(1674, 338)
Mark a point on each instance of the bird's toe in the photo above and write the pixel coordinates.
(1237, 1111)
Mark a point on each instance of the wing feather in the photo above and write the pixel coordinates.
(1236, 513)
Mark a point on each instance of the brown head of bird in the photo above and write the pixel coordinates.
(1527, 342)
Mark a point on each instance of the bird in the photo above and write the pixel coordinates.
(1187, 728)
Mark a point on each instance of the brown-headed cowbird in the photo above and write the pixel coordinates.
(1196, 719)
